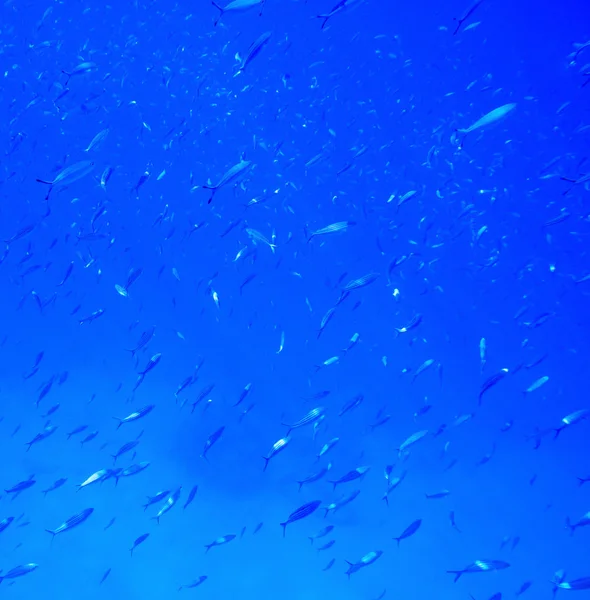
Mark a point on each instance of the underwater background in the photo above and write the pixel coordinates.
(383, 288)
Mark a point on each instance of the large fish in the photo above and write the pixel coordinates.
(237, 6)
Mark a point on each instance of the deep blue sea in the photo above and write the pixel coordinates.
(293, 306)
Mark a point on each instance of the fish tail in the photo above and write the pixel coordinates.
(325, 17)
(207, 548)
(397, 541)
(569, 525)
(284, 526)
(557, 432)
(311, 540)
(457, 574)
(266, 463)
(301, 485)
(221, 11)
(53, 534)
(119, 423)
(581, 481)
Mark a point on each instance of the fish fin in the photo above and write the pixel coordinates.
(457, 574)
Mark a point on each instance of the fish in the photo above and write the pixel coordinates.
(55, 485)
(191, 496)
(253, 52)
(237, 6)
(322, 533)
(489, 118)
(170, 502)
(72, 522)
(220, 541)
(144, 340)
(142, 538)
(69, 175)
(156, 498)
(339, 226)
(365, 561)
(311, 417)
(212, 439)
(480, 566)
(415, 437)
(357, 473)
(575, 585)
(301, 513)
(491, 382)
(409, 531)
(194, 584)
(315, 476)
(231, 175)
(277, 447)
(466, 15)
(134, 416)
(337, 9)
(571, 419)
(19, 571)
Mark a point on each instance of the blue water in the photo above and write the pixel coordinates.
(390, 82)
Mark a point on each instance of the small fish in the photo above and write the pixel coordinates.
(214, 437)
(410, 530)
(323, 533)
(142, 538)
(220, 541)
(191, 496)
(103, 578)
(536, 384)
(195, 583)
(56, 485)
